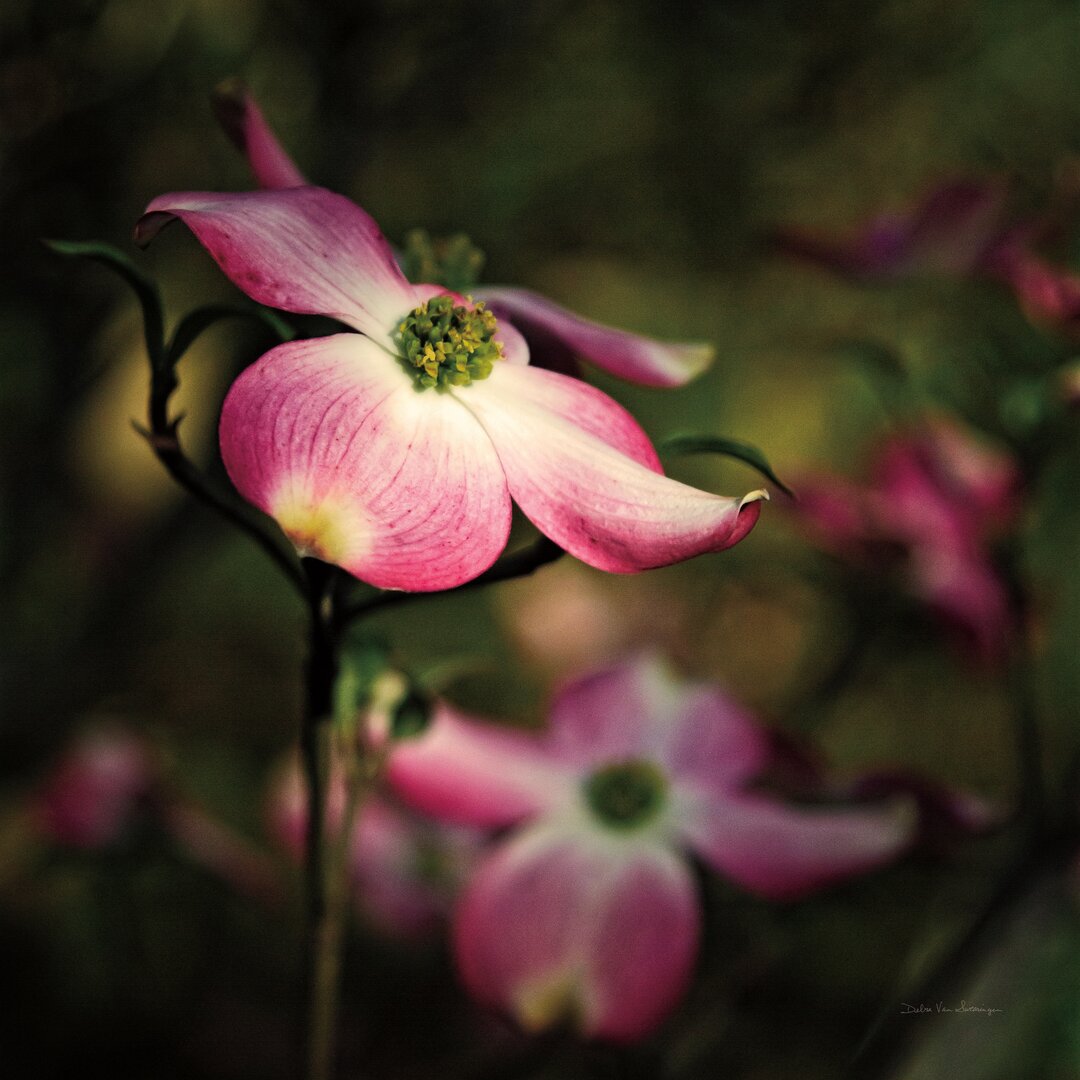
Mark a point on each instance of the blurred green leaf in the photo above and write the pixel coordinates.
(883, 370)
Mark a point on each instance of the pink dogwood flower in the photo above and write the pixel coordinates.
(587, 913)
(394, 451)
(934, 499)
(556, 336)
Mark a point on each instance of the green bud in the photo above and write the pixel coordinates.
(412, 715)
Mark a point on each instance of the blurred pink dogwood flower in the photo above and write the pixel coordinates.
(1048, 294)
(110, 784)
(555, 335)
(934, 499)
(97, 789)
(405, 870)
(395, 452)
(587, 913)
(951, 231)
(959, 229)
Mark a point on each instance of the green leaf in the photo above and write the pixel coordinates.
(144, 288)
(715, 444)
(195, 322)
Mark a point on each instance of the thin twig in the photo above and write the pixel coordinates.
(167, 449)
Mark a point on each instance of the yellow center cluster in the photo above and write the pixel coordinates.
(447, 344)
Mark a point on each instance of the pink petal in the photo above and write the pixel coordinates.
(476, 773)
(559, 926)
(956, 225)
(1048, 294)
(963, 588)
(243, 122)
(944, 812)
(785, 851)
(630, 356)
(406, 870)
(986, 478)
(579, 405)
(402, 489)
(839, 513)
(881, 249)
(604, 507)
(639, 710)
(301, 249)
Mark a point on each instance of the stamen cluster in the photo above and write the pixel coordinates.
(448, 344)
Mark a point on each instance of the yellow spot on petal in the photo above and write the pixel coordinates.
(553, 1001)
(330, 530)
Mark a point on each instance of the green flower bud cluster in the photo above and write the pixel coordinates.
(447, 344)
(452, 261)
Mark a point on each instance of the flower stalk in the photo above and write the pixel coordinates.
(324, 909)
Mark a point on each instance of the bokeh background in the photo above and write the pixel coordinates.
(631, 160)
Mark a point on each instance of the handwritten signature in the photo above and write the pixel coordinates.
(941, 1007)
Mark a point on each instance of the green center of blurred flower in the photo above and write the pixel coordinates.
(446, 344)
(626, 795)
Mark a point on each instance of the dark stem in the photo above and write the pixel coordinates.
(166, 447)
(163, 437)
(323, 928)
(516, 564)
(1031, 798)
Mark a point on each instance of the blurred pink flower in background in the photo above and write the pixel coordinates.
(587, 913)
(1047, 293)
(959, 229)
(934, 500)
(97, 789)
(110, 783)
(405, 870)
(950, 231)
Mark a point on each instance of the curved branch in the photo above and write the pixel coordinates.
(516, 564)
